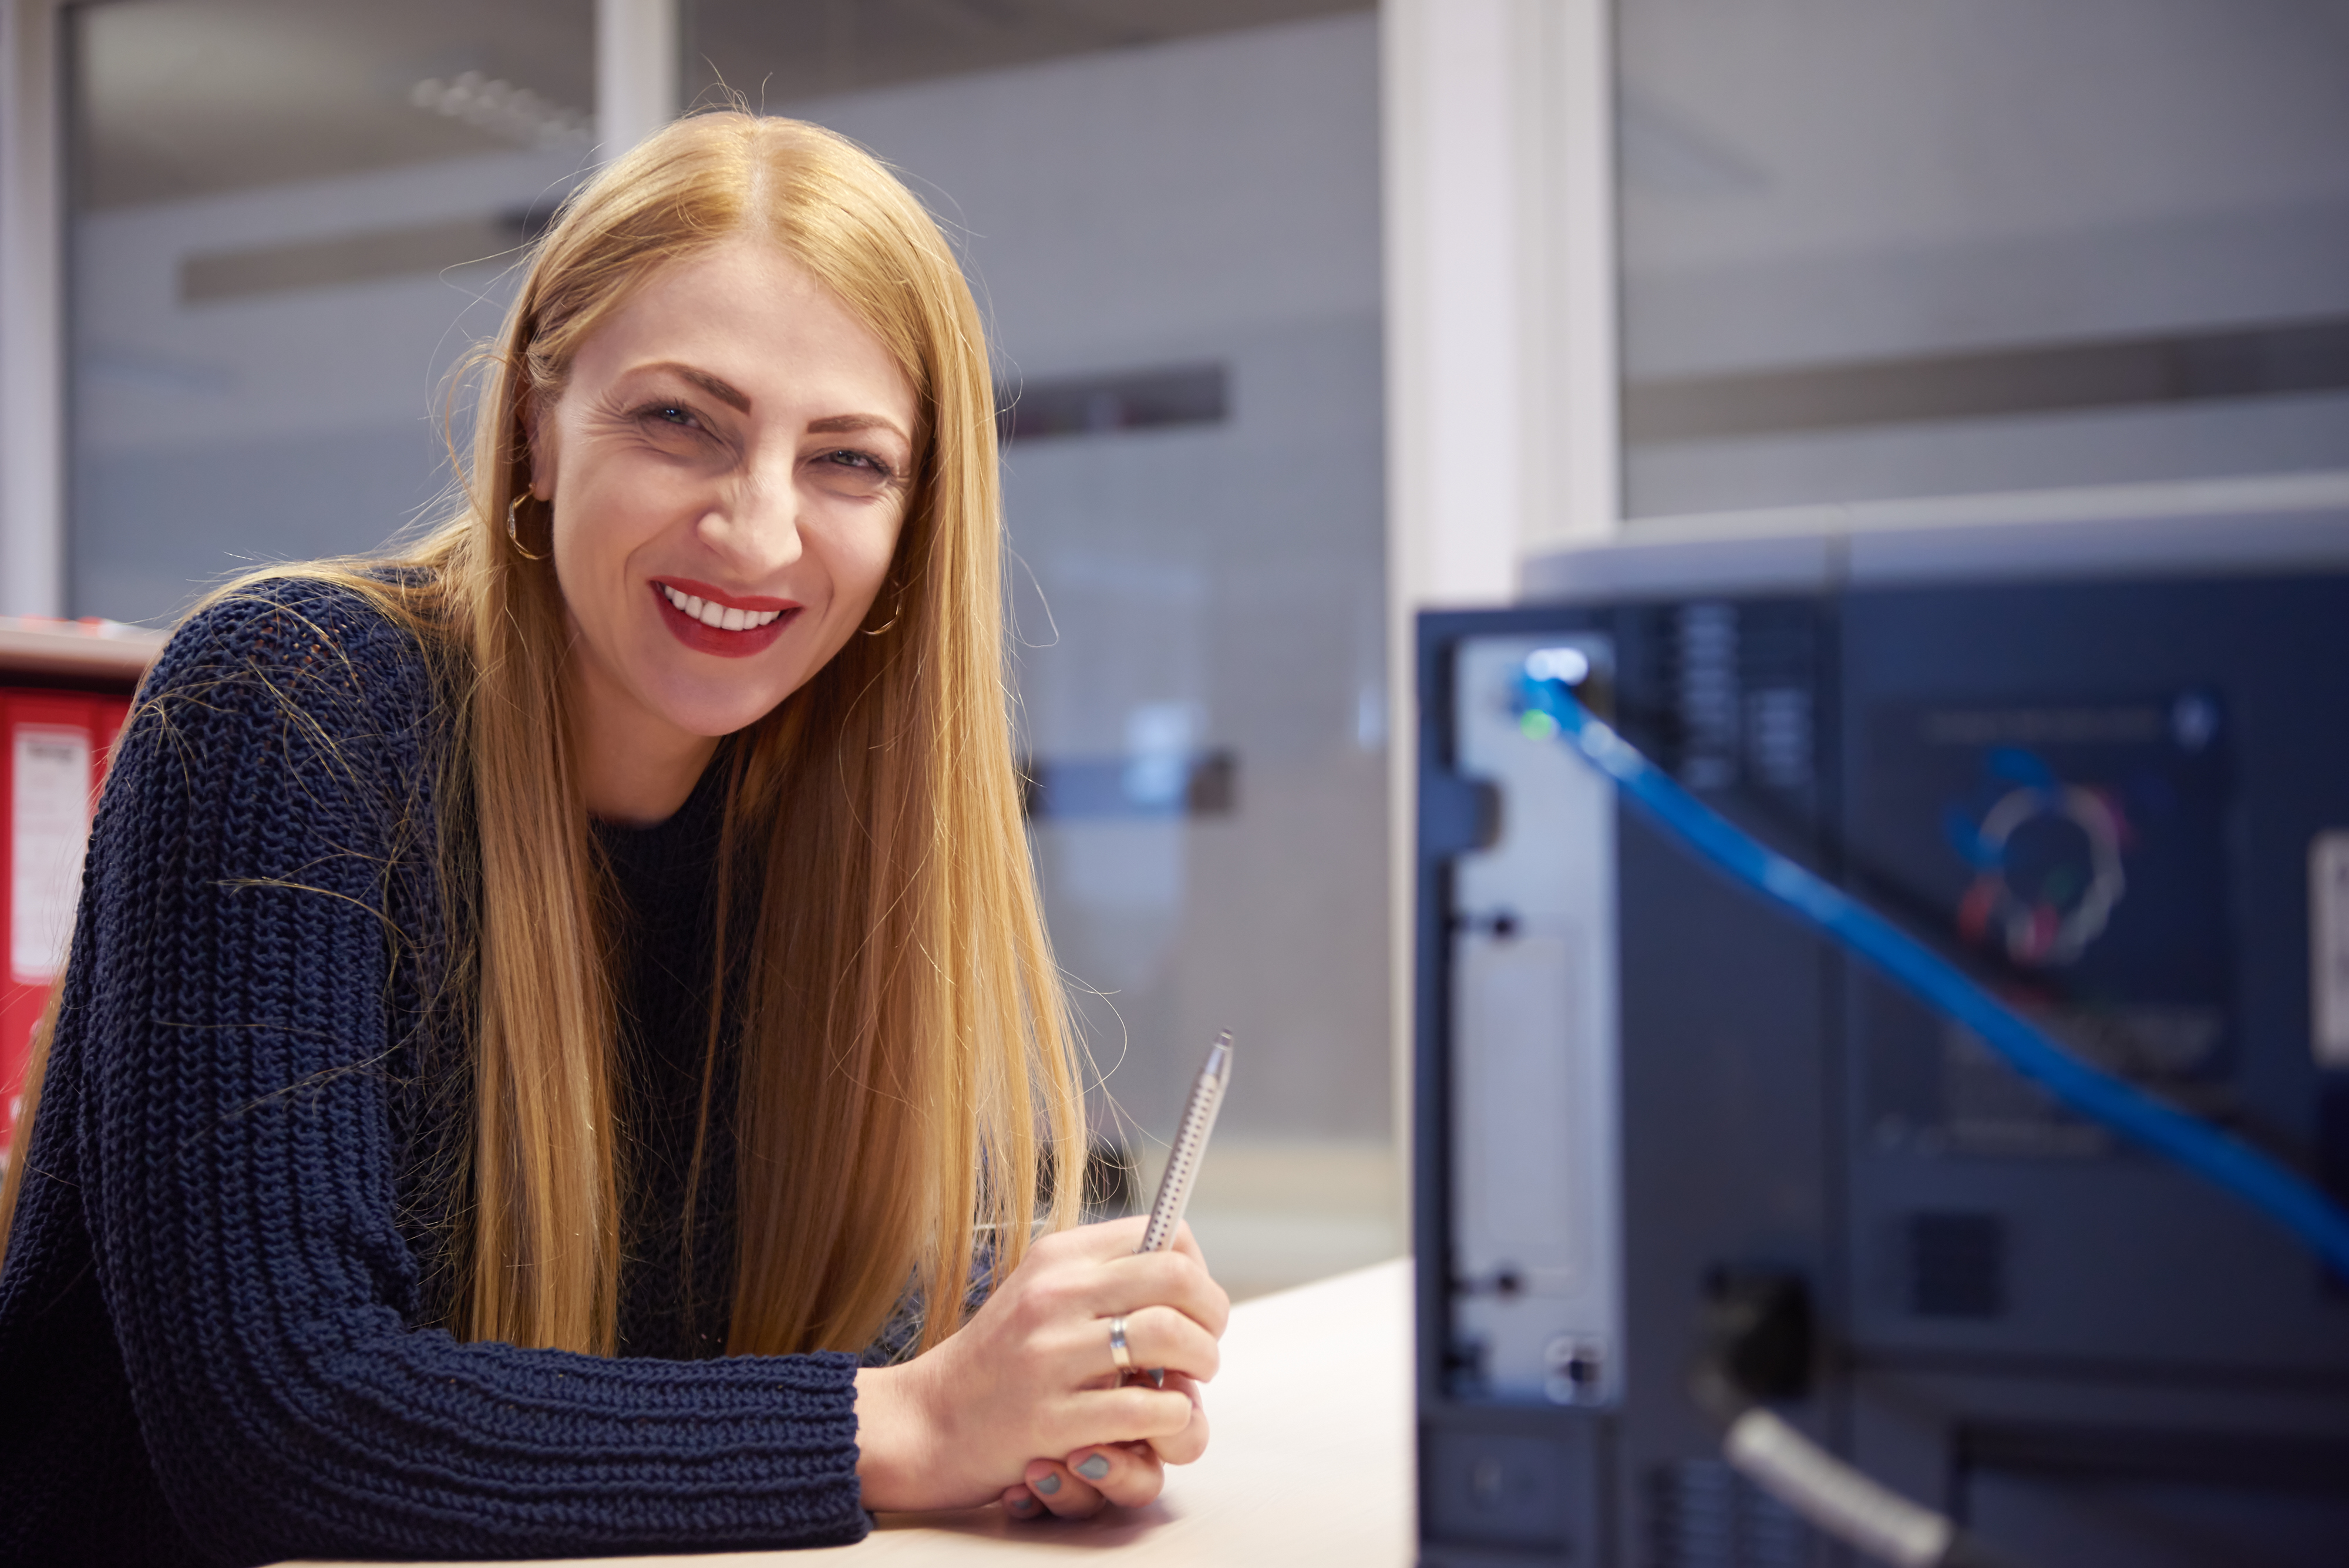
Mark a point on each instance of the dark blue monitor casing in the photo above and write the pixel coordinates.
(2103, 782)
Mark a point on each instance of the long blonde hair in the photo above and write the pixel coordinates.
(908, 1083)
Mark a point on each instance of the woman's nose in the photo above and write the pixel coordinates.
(756, 527)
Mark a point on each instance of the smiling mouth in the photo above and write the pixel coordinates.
(715, 616)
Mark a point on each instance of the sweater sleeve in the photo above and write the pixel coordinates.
(243, 1170)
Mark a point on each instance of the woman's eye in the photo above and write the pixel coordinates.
(863, 464)
(665, 417)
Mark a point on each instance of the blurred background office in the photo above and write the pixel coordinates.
(286, 221)
(1307, 314)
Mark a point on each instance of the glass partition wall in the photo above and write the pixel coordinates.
(292, 217)
(1873, 251)
(289, 219)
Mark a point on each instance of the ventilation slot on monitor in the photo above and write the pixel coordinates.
(1703, 1514)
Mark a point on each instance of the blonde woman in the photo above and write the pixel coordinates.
(543, 1004)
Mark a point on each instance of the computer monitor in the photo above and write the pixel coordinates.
(2111, 781)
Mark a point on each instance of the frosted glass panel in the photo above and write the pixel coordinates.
(290, 219)
(1890, 248)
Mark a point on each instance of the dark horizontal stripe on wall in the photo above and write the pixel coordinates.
(2304, 356)
(1201, 783)
(359, 257)
(1123, 400)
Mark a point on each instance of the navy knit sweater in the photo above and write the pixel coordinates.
(216, 1316)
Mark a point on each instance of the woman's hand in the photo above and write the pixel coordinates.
(1031, 1374)
(1127, 1474)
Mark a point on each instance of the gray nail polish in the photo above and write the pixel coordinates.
(1048, 1485)
(1023, 1505)
(1095, 1467)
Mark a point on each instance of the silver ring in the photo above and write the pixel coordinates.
(1117, 1351)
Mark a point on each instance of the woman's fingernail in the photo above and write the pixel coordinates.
(1023, 1505)
(1047, 1484)
(1094, 1468)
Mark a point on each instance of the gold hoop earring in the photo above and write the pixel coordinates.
(896, 608)
(514, 527)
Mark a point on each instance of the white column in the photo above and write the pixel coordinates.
(636, 73)
(1498, 149)
(1500, 319)
(1578, 497)
(32, 312)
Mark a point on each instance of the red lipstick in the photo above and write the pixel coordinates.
(725, 644)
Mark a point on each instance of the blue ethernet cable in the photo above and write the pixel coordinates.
(1551, 708)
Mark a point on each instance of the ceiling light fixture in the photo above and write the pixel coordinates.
(498, 107)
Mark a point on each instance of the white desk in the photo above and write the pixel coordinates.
(1310, 1462)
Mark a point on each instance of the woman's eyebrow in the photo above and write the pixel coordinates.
(842, 424)
(739, 400)
(724, 391)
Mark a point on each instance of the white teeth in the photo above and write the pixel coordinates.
(717, 616)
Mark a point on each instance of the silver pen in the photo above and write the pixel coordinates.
(1190, 1142)
(1182, 1160)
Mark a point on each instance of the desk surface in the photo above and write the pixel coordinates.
(1310, 1462)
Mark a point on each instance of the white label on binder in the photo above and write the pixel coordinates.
(2328, 946)
(49, 826)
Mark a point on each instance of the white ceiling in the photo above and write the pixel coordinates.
(182, 98)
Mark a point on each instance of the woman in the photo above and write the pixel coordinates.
(543, 1003)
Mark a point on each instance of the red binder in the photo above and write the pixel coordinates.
(54, 747)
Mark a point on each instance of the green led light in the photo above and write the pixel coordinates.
(1537, 725)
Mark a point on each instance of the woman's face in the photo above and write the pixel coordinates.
(729, 466)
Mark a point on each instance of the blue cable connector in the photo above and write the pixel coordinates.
(1551, 708)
